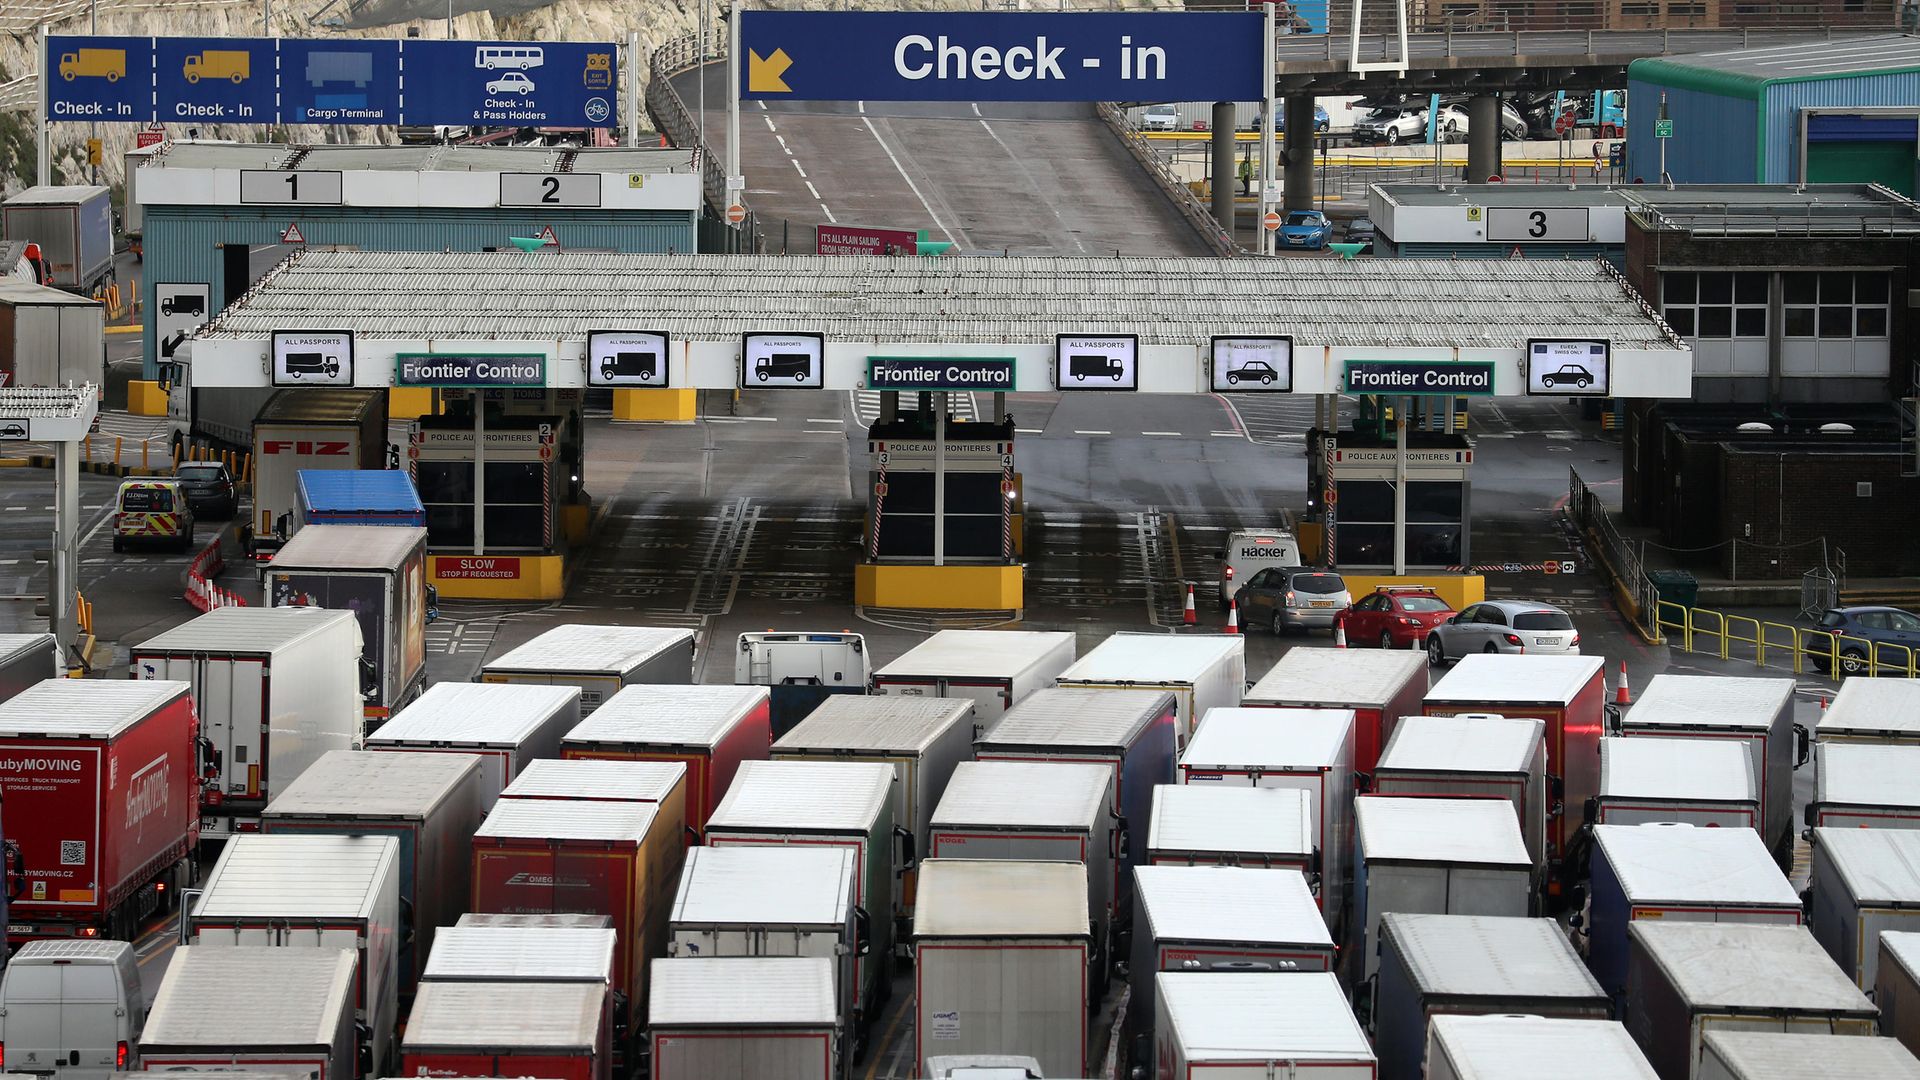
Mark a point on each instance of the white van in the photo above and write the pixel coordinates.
(72, 1009)
(1248, 552)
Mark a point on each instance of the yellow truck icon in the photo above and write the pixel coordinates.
(108, 64)
(599, 74)
(231, 64)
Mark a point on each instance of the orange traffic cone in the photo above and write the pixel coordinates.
(1621, 693)
(1340, 633)
(1233, 617)
(1189, 617)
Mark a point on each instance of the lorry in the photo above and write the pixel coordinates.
(1436, 857)
(709, 729)
(475, 952)
(600, 660)
(1709, 782)
(507, 726)
(1207, 671)
(1865, 882)
(1528, 1047)
(102, 805)
(26, 659)
(984, 925)
(431, 804)
(1309, 750)
(1764, 1055)
(380, 575)
(1688, 979)
(276, 689)
(49, 337)
(996, 668)
(1380, 686)
(233, 65)
(1436, 965)
(768, 901)
(1468, 757)
(1258, 828)
(1865, 787)
(746, 1016)
(1896, 987)
(357, 497)
(1872, 711)
(72, 1010)
(922, 739)
(801, 670)
(74, 227)
(1295, 1024)
(301, 894)
(298, 430)
(557, 1030)
(1674, 872)
(108, 64)
(264, 1012)
(1218, 918)
(832, 804)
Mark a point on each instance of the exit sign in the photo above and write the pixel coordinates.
(1663, 129)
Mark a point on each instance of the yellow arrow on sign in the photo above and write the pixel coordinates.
(763, 73)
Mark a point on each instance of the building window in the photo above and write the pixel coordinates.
(1640, 10)
(1715, 304)
(1835, 305)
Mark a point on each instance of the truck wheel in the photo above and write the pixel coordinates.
(193, 76)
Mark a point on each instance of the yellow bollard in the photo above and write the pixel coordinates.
(144, 446)
(117, 442)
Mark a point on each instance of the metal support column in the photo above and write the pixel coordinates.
(479, 471)
(1267, 120)
(1299, 156)
(999, 406)
(43, 160)
(1483, 137)
(940, 478)
(1400, 484)
(1226, 180)
(734, 179)
(63, 563)
(889, 406)
(633, 89)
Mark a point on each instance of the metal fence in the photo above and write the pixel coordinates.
(1175, 189)
(1636, 590)
(1766, 643)
(671, 116)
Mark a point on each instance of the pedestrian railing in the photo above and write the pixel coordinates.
(1632, 586)
(1766, 643)
(1175, 189)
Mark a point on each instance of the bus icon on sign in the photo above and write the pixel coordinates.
(516, 57)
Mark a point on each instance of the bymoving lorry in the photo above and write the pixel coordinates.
(1865, 883)
(549, 1029)
(1473, 758)
(600, 660)
(273, 1011)
(1223, 1025)
(1203, 672)
(379, 574)
(74, 227)
(801, 670)
(1529, 1047)
(72, 1009)
(276, 689)
(430, 803)
(985, 925)
(1435, 965)
(26, 659)
(1258, 828)
(101, 791)
(770, 1016)
(1380, 686)
(1435, 857)
(996, 668)
(312, 892)
(307, 429)
(507, 726)
(1708, 782)
(1774, 1055)
(709, 729)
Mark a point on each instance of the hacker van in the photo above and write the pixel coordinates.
(72, 1009)
(1249, 552)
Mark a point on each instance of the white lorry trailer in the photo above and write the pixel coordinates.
(1436, 857)
(1776, 1055)
(1253, 1026)
(1473, 757)
(1707, 782)
(597, 659)
(1872, 711)
(1529, 1047)
(507, 726)
(269, 1011)
(997, 669)
(1864, 786)
(1865, 883)
(26, 659)
(1202, 672)
(1263, 828)
(746, 1016)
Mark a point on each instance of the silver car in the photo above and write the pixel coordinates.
(1504, 626)
(1282, 598)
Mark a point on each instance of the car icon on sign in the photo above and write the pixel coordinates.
(1253, 370)
(513, 82)
(1568, 373)
(13, 431)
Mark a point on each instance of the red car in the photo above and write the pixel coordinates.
(1395, 617)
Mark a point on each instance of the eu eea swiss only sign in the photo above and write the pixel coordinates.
(1000, 56)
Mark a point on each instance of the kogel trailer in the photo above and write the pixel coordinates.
(1865, 883)
(275, 1011)
(1859, 786)
(1001, 957)
(709, 729)
(923, 739)
(1709, 782)
(1202, 672)
(1380, 687)
(430, 803)
(1772, 1055)
(1757, 712)
(1685, 979)
(305, 892)
(996, 669)
(1872, 711)
(1437, 965)
(1568, 692)
(507, 726)
(1436, 857)
(1307, 749)
(1204, 825)
(1215, 1026)
(556, 1030)
(600, 660)
(276, 688)
(1677, 872)
(1218, 918)
(1473, 757)
(1530, 1047)
(761, 1016)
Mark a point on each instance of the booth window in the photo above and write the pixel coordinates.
(1836, 305)
(1364, 525)
(516, 510)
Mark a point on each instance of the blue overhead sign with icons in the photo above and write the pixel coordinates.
(1000, 56)
(346, 81)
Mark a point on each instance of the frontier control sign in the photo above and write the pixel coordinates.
(1418, 378)
(938, 373)
(457, 370)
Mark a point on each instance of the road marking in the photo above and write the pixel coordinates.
(811, 190)
(830, 218)
(862, 106)
(747, 419)
(822, 420)
(1225, 434)
(915, 188)
(1173, 434)
(770, 126)
(762, 104)
(782, 140)
(976, 108)
(1029, 431)
(798, 169)
(1077, 431)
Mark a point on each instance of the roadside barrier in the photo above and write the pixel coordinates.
(202, 593)
(1766, 643)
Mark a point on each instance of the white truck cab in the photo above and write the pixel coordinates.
(1250, 551)
(72, 1009)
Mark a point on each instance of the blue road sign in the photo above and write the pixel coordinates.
(340, 82)
(511, 83)
(100, 78)
(215, 80)
(1000, 56)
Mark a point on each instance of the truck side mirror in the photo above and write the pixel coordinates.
(189, 899)
(1122, 840)
(862, 932)
(433, 604)
(907, 848)
(1612, 719)
(1802, 745)
(1590, 812)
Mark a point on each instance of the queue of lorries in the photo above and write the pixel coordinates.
(583, 865)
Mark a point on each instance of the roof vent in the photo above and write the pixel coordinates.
(1836, 429)
(1755, 427)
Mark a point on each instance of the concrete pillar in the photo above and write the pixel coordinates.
(1298, 181)
(1483, 137)
(889, 406)
(1226, 177)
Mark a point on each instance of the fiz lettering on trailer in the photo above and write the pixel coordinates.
(301, 446)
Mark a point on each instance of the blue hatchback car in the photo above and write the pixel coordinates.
(1856, 629)
(1306, 229)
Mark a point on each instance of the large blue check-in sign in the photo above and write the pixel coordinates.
(511, 84)
(1000, 56)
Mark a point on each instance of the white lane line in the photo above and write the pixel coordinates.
(976, 108)
(815, 192)
(915, 188)
(1077, 431)
(770, 126)
(863, 107)
(798, 169)
(1173, 434)
(830, 218)
(746, 419)
(822, 420)
(1028, 431)
(762, 104)
(1225, 434)
(782, 140)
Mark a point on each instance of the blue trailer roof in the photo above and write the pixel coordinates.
(366, 490)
